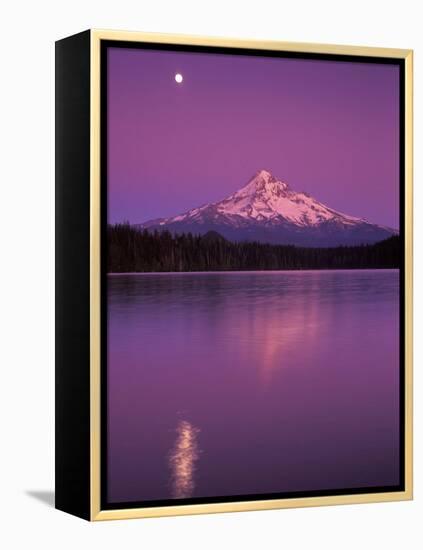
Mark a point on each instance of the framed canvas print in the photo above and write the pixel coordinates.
(233, 275)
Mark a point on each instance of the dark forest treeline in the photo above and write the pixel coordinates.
(133, 250)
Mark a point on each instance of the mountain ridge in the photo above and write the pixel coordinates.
(266, 209)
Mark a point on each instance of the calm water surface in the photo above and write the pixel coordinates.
(254, 382)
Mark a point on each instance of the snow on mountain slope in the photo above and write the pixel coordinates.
(266, 198)
(268, 210)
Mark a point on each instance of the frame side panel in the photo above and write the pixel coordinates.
(72, 384)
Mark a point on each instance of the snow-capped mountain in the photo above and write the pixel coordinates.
(268, 210)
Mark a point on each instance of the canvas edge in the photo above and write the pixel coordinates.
(193, 509)
(408, 206)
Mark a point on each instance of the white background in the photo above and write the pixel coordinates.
(28, 31)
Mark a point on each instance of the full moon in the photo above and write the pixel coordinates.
(179, 78)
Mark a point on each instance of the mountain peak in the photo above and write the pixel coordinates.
(263, 182)
(265, 174)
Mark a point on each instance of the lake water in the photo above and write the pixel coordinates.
(252, 383)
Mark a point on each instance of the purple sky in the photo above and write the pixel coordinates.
(328, 128)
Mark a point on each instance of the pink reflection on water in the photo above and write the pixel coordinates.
(182, 460)
(274, 336)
